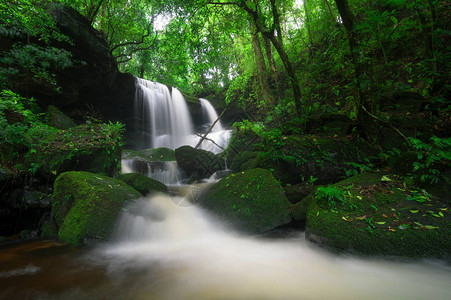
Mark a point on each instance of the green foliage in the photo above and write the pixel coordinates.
(39, 61)
(433, 156)
(331, 197)
(30, 31)
(20, 125)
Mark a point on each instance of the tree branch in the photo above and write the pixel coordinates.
(388, 124)
(209, 129)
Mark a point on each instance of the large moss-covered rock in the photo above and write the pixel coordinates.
(197, 162)
(142, 183)
(251, 201)
(295, 158)
(89, 147)
(56, 118)
(375, 214)
(85, 206)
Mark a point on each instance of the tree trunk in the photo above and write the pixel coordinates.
(272, 66)
(334, 21)
(276, 17)
(261, 67)
(354, 46)
(290, 72)
(307, 24)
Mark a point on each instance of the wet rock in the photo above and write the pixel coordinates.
(85, 206)
(251, 201)
(88, 147)
(376, 214)
(149, 155)
(197, 162)
(56, 118)
(143, 184)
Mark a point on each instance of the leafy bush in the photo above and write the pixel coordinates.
(432, 158)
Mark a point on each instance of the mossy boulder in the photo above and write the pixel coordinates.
(56, 118)
(142, 183)
(242, 140)
(86, 206)
(375, 214)
(150, 155)
(251, 201)
(94, 148)
(245, 160)
(299, 210)
(49, 230)
(295, 158)
(197, 162)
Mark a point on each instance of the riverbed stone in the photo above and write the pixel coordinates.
(377, 214)
(149, 155)
(251, 201)
(86, 206)
(197, 162)
(143, 184)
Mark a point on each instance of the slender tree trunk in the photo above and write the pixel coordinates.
(307, 22)
(272, 65)
(332, 16)
(277, 22)
(290, 72)
(349, 24)
(261, 67)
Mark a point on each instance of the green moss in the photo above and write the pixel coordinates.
(58, 119)
(142, 183)
(49, 230)
(93, 148)
(379, 216)
(148, 155)
(86, 205)
(299, 211)
(252, 201)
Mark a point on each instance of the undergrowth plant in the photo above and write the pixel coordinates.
(432, 157)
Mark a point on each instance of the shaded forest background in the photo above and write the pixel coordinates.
(289, 65)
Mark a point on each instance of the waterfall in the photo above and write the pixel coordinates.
(164, 119)
(165, 114)
(211, 114)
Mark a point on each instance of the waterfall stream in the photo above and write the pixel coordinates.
(165, 120)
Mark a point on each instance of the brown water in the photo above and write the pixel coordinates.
(163, 251)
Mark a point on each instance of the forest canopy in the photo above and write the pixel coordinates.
(282, 57)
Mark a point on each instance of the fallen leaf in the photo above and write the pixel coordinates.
(385, 178)
(361, 218)
(384, 215)
(414, 211)
(430, 227)
(380, 223)
(391, 229)
(395, 215)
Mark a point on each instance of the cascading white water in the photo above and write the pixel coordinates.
(177, 252)
(211, 114)
(165, 120)
(166, 114)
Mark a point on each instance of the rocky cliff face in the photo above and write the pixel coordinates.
(91, 85)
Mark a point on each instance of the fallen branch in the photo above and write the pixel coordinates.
(209, 129)
(389, 125)
(210, 140)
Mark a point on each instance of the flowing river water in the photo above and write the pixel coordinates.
(165, 251)
(164, 248)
